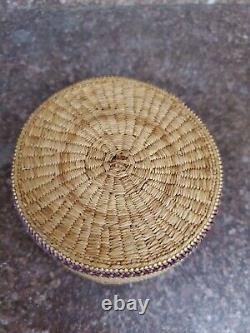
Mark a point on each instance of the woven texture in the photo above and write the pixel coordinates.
(116, 178)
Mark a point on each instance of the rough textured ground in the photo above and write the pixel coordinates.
(13, 4)
(200, 53)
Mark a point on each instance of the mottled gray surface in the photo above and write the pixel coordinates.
(200, 53)
(13, 4)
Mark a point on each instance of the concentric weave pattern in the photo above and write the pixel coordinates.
(112, 173)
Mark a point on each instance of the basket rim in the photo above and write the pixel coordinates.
(120, 272)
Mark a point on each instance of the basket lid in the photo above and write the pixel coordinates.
(116, 177)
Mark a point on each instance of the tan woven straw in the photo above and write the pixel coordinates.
(116, 178)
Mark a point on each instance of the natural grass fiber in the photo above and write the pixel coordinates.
(116, 178)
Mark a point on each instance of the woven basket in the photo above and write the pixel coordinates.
(116, 178)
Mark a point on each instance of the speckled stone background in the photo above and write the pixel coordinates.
(28, 4)
(201, 53)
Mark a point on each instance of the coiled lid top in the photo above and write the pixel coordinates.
(114, 175)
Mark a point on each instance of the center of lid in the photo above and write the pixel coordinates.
(117, 164)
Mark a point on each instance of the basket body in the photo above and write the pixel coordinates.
(116, 178)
